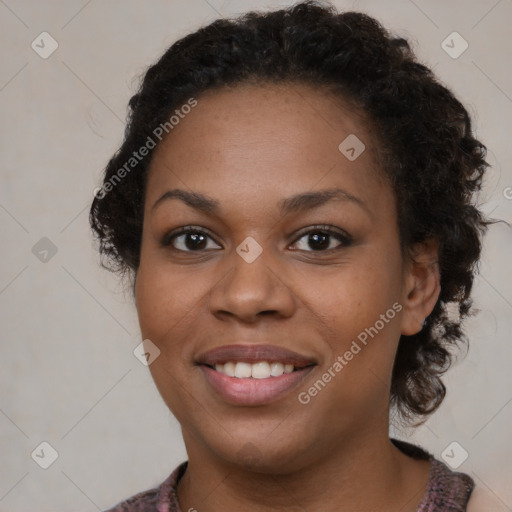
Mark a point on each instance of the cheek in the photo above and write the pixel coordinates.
(166, 306)
(359, 306)
(171, 305)
(163, 300)
(354, 296)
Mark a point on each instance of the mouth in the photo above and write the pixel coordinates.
(254, 374)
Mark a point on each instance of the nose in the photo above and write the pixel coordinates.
(248, 291)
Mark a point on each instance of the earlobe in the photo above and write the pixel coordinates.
(422, 286)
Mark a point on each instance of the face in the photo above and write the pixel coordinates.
(292, 266)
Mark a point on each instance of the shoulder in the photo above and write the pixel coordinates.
(143, 501)
(162, 498)
(446, 490)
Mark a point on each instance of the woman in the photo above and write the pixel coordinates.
(293, 199)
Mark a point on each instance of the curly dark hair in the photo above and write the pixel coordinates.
(424, 135)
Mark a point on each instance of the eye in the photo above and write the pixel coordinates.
(319, 239)
(188, 239)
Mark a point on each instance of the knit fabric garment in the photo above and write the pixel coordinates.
(447, 491)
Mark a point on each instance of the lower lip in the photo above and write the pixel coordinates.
(253, 391)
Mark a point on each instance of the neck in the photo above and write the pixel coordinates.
(365, 474)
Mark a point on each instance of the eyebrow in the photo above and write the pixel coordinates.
(293, 204)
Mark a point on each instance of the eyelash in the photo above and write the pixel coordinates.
(344, 238)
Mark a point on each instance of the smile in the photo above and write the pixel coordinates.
(253, 375)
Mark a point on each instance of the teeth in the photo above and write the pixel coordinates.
(229, 369)
(276, 369)
(242, 370)
(260, 370)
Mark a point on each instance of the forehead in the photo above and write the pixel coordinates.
(260, 143)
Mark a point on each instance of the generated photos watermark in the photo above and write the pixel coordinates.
(137, 156)
(341, 361)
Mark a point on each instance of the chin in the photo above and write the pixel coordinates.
(259, 453)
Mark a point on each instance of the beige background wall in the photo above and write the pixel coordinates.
(68, 375)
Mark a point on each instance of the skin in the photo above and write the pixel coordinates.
(249, 148)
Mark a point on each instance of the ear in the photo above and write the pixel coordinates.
(421, 285)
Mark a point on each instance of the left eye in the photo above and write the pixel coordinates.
(319, 239)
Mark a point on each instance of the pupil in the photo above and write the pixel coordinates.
(195, 237)
(324, 242)
(316, 241)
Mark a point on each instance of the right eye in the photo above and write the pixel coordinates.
(188, 239)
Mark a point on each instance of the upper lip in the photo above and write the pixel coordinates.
(253, 354)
